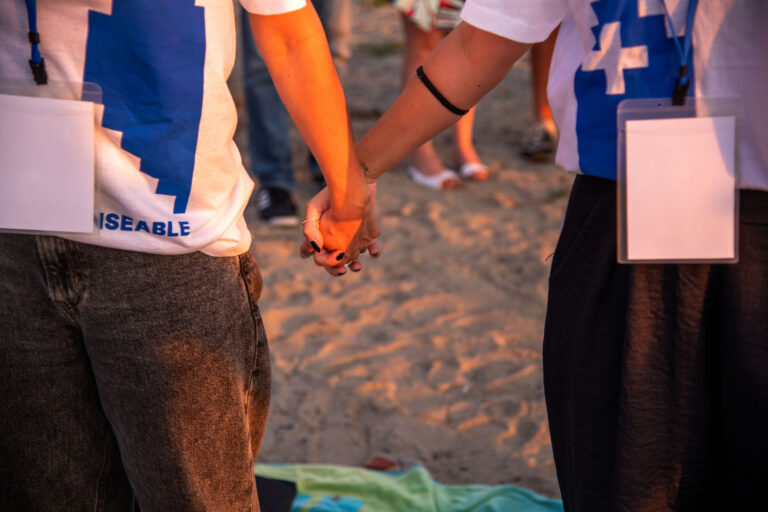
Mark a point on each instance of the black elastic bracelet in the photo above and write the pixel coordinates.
(447, 104)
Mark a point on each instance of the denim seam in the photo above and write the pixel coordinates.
(253, 308)
(101, 483)
(255, 355)
(77, 271)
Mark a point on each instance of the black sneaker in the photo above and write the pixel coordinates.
(276, 207)
(538, 144)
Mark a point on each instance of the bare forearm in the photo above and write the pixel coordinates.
(464, 67)
(299, 61)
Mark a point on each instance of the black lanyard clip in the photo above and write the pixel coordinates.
(39, 72)
(681, 87)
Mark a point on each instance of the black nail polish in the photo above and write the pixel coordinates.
(339, 275)
(315, 246)
(375, 254)
(353, 270)
(340, 257)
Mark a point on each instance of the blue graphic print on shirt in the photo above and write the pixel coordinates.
(633, 57)
(148, 57)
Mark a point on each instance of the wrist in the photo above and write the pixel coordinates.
(350, 199)
(370, 178)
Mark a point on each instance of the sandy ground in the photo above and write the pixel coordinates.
(432, 354)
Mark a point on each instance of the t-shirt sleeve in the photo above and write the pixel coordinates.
(272, 6)
(526, 21)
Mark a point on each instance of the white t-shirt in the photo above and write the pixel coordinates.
(171, 178)
(610, 50)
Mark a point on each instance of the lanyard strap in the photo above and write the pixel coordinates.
(36, 61)
(683, 81)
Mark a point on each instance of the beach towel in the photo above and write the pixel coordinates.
(328, 488)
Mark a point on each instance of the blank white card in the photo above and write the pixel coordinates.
(46, 164)
(681, 180)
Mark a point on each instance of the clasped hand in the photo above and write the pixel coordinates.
(336, 236)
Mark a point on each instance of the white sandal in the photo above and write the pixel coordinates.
(474, 171)
(442, 180)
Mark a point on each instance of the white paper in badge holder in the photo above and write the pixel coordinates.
(680, 189)
(46, 164)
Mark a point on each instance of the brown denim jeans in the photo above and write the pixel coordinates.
(128, 380)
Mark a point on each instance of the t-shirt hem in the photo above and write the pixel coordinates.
(223, 247)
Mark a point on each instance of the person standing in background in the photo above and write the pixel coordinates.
(426, 23)
(269, 143)
(540, 140)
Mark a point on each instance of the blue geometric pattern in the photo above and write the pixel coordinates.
(596, 109)
(148, 57)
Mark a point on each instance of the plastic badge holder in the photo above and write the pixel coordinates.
(646, 232)
(72, 91)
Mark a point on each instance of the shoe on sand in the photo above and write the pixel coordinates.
(474, 171)
(276, 207)
(445, 179)
(539, 143)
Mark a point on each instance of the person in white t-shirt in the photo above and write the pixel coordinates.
(135, 367)
(655, 376)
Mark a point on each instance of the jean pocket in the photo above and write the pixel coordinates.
(249, 270)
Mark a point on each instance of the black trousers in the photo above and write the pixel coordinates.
(656, 376)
